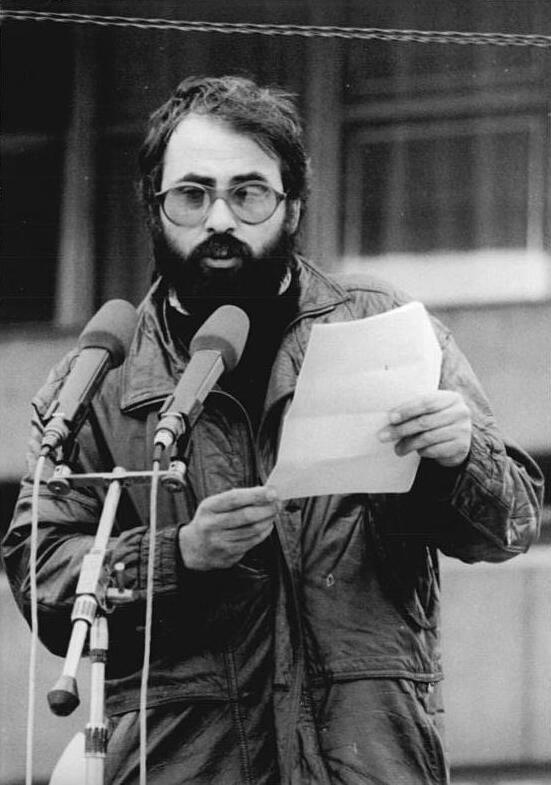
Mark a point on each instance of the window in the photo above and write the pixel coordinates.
(446, 184)
(454, 208)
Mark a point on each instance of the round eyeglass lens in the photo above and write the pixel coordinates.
(253, 202)
(186, 204)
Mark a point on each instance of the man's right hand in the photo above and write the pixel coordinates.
(226, 526)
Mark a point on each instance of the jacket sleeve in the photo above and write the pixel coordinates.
(490, 508)
(66, 533)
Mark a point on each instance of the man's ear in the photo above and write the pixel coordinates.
(293, 215)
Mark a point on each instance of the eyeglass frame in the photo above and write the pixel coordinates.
(219, 193)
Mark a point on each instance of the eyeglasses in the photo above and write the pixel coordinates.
(187, 204)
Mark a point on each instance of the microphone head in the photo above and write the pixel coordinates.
(225, 331)
(112, 329)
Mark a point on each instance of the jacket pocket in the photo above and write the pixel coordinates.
(427, 709)
(408, 571)
(377, 731)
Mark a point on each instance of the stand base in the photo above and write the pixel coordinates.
(71, 767)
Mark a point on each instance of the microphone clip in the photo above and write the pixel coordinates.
(174, 428)
(62, 480)
(173, 475)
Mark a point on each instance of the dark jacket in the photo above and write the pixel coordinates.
(321, 649)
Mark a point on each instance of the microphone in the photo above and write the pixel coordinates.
(216, 347)
(103, 345)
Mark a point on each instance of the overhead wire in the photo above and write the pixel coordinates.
(308, 31)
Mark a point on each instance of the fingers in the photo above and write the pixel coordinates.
(243, 534)
(436, 426)
(227, 525)
(248, 538)
(240, 508)
(424, 406)
(419, 424)
(239, 498)
(236, 519)
(423, 442)
(440, 409)
(210, 550)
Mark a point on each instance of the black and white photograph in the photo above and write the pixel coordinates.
(275, 392)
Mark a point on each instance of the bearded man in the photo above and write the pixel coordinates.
(262, 669)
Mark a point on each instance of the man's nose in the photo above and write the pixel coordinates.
(220, 217)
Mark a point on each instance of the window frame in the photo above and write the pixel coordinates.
(478, 276)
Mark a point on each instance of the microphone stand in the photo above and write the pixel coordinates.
(97, 593)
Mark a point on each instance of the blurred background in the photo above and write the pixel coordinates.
(431, 168)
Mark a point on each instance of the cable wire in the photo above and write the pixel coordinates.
(307, 31)
(148, 620)
(34, 622)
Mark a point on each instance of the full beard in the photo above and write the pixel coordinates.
(248, 284)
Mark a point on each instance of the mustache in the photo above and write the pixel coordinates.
(221, 246)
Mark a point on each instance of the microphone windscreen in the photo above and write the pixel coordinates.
(112, 329)
(225, 331)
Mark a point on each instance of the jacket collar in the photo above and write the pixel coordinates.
(154, 364)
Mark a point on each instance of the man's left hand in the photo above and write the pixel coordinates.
(437, 425)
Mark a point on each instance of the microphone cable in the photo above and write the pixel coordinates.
(148, 619)
(34, 621)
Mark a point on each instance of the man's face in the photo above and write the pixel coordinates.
(223, 257)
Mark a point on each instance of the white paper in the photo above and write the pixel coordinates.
(352, 375)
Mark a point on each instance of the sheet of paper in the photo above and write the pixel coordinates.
(353, 374)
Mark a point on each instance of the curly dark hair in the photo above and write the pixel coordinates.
(266, 114)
